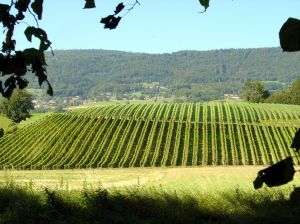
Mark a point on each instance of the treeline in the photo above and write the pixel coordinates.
(256, 93)
(205, 75)
(290, 96)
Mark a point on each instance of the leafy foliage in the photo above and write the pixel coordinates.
(290, 96)
(18, 106)
(15, 64)
(276, 175)
(89, 4)
(200, 75)
(282, 173)
(289, 35)
(255, 92)
(111, 21)
(205, 4)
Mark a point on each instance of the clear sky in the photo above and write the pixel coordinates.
(163, 26)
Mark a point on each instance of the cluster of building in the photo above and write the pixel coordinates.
(47, 105)
(231, 96)
(51, 104)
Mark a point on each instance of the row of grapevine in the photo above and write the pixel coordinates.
(215, 133)
(246, 112)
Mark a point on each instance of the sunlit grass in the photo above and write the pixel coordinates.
(206, 179)
(5, 122)
(34, 117)
(179, 195)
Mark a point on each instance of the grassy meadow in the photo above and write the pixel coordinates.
(220, 194)
(206, 178)
(4, 122)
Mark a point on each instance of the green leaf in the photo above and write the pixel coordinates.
(37, 7)
(3, 11)
(22, 83)
(42, 77)
(36, 53)
(20, 16)
(44, 45)
(205, 4)
(258, 182)
(22, 5)
(1, 88)
(111, 22)
(119, 8)
(9, 86)
(49, 90)
(289, 35)
(89, 4)
(31, 30)
(39, 33)
(9, 80)
(276, 175)
(9, 90)
(296, 141)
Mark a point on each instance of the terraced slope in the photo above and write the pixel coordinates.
(134, 135)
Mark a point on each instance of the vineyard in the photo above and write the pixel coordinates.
(144, 135)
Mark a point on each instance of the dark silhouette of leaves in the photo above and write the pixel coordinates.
(22, 5)
(22, 83)
(20, 16)
(9, 86)
(289, 35)
(111, 22)
(296, 141)
(49, 89)
(37, 7)
(39, 33)
(36, 53)
(276, 175)
(89, 4)
(4, 12)
(119, 8)
(205, 4)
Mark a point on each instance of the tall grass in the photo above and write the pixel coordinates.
(22, 204)
(5, 122)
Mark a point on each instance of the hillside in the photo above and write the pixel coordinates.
(204, 75)
(139, 135)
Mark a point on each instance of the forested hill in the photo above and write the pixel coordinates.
(190, 73)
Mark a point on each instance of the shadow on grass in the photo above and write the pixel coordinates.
(138, 205)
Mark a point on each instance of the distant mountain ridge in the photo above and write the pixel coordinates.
(91, 72)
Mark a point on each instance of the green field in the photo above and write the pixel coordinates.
(149, 163)
(155, 135)
(34, 117)
(211, 179)
(219, 194)
(5, 122)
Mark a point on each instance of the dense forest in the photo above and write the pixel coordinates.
(200, 75)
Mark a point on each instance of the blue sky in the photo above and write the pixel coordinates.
(163, 26)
